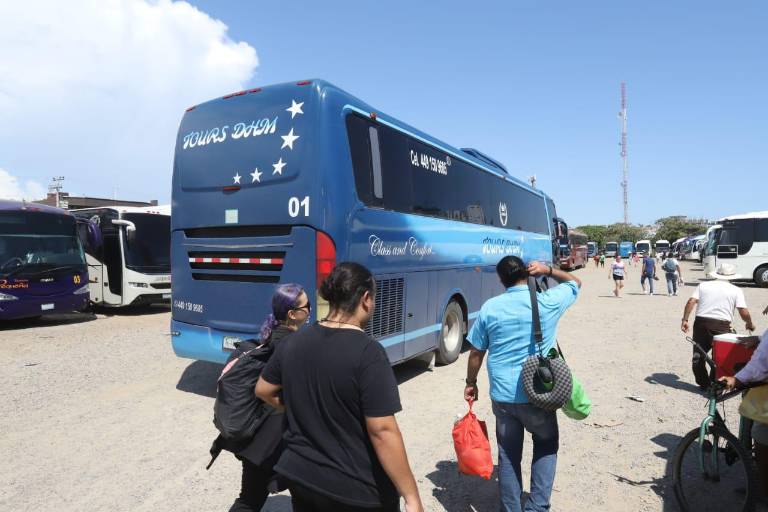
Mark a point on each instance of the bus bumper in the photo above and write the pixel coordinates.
(27, 307)
(202, 343)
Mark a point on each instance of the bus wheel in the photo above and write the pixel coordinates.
(761, 276)
(451, 334)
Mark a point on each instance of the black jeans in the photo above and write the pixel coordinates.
(253, 490)
(704, 329)
(307, 500)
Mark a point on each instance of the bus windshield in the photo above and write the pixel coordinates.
(33, 243)
(149, 247)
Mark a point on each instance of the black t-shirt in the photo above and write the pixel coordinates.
(332, 379)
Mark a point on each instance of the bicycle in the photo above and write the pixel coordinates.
(710, 458)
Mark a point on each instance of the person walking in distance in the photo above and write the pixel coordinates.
(618, 273)
(290, 309)
(648, 273)
(503, 330)
(715, 302)
(343, 448)
(672, 274)
(602, 259)
(596, 259)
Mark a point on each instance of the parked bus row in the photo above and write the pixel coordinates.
(57, 261)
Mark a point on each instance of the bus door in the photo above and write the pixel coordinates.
(105, 260)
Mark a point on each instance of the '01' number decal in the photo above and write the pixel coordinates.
(295, 206)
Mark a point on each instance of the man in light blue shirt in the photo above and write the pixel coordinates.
(503, 329)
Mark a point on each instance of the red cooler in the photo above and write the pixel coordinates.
(729, 354)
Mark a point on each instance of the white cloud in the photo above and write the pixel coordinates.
(95, 89)
(11, 188)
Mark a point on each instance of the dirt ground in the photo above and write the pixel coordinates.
(98, 413)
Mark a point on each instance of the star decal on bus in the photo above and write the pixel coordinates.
(289, 139)
(278, 167)
(295, 108)
(256, 175)
(237, 177)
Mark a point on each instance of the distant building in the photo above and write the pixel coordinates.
(73, 202)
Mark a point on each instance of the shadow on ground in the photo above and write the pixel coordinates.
(200, 378)
(147, 309)
(47, 321)
(463, 493)
(662, 487)
(671, 380)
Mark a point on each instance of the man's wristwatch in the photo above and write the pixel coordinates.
(550, 270)
(470, 382)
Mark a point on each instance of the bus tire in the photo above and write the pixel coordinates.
(761, 276)
(451, 334)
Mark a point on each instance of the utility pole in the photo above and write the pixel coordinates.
(624, 162)
(56, 186)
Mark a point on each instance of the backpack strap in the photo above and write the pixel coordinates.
(536, 321)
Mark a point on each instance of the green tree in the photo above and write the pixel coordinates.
(678, 226)
(613, 233)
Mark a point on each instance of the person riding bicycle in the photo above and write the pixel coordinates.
(756, 371)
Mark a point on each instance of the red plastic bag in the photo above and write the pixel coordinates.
(473, 451)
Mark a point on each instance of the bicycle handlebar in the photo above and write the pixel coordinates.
(703, 352)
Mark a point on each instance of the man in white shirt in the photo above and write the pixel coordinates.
(715, 302)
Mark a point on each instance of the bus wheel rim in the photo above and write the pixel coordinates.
(451, 328)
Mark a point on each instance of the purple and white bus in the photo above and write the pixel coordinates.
(42, 263)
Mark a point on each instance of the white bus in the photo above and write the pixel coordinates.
(692, 247)
(611, 249)
(661, 246)
(643, 246)
(741, 240)
(129, 258)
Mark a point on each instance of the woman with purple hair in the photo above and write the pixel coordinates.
(290, 310)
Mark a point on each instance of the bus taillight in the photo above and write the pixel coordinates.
(326, 257)
(325, 260)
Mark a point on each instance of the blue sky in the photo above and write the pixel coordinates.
(533, 84)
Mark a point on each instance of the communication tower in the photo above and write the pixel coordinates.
(624, 162)
(55, 187)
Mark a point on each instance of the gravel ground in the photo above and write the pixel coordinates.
(98, 413)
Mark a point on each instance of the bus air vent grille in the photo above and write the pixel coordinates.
(388, 314)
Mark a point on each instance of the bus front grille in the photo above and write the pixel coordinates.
(388, 313)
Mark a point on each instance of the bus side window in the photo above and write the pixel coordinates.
(361, 152)
(373, 133)
(761, 230)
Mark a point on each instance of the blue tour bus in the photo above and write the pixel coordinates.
(626, 249)
(42, 263)
(277, 184)
(591, 249)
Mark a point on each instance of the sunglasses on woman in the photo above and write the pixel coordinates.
(307, 306)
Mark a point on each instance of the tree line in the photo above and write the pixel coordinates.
(667, 228)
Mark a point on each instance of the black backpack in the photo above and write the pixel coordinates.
(237, 413)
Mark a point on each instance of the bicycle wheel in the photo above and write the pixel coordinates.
(718, 476)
